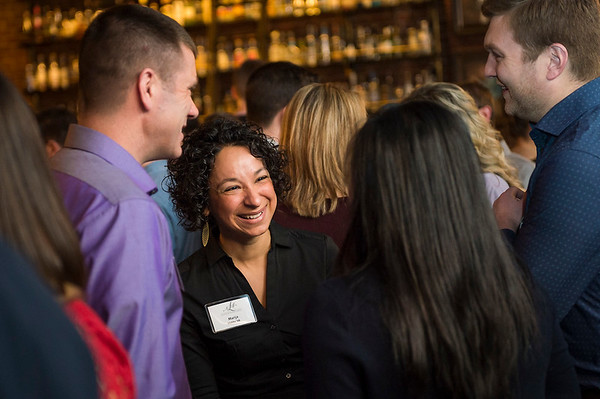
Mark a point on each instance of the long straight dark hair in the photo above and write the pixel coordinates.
(458, 309)
(32, 216)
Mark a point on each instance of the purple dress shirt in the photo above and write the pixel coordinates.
(133, 282)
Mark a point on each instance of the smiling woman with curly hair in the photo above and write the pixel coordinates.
(246, 288)
(191, 170)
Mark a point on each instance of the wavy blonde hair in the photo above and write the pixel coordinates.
(485, 138)
(317, 126)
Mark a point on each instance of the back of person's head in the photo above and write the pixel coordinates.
(480, 92)
(318, 124)
(271, 87)
(459, 312)
(484, 137)
(119, 43)
(536, 24)
(32, 216)
(513, 129)
(54, 123)
(242, 74)
(483, 97)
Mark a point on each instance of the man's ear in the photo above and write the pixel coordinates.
(147, 85)
(486, 112)
(558, 60)
(52, 147)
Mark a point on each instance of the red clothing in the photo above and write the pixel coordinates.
(334, 224)
(113, 367)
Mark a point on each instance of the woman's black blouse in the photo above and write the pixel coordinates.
(263, 359)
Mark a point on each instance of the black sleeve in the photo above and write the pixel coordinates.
(197, 361)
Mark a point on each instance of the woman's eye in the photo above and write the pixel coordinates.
(265, 177)
(230, 189)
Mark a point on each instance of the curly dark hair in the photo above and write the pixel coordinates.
(188, 181)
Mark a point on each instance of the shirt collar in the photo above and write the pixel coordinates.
(90, 140)
(569, 109)
(280, 237)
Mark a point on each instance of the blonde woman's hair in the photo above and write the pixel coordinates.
(485, 138)
(317, 126)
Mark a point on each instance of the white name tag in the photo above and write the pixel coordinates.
(230, 313)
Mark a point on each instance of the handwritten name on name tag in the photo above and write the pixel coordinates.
(230, 313)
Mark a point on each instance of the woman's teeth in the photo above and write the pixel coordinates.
(252, 216)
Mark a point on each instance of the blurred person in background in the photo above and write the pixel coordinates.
(268, 91)
(318, 124)
(239, 79)
(498, 174)
(54, 123)
(513, 131)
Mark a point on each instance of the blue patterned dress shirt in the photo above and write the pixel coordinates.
(560, 234)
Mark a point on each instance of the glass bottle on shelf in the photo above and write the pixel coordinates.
(74, 75)
(373, 88)
(299, 7)
(30, 77)
(337, 44)
(252, 51)
(412, 40)
(65, 78)
(408, 86)
(27, 23)
(294, 53)
(206, 11)
(325, 54)
(201, 58)
(37, 18)
(311, 47)
(385, 46)
(424, 37)
(53, 72)
(190, 12)
(277, 51)
(397, 45)
(223, 62)
(239, 54)
(312, 8)
(41, 74)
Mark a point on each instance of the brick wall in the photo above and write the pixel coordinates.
(13, 56)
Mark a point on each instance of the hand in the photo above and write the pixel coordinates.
(509, 208)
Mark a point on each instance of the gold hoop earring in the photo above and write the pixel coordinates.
(205, 234)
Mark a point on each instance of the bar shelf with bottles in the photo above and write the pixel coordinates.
(52, 30)
(382, 49)
(390, 45)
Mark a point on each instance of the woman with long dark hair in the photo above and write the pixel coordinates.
(431, 302)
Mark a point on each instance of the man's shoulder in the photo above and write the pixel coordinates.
(586, 131)
(81, 168)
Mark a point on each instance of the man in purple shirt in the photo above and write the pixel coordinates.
(137, 70)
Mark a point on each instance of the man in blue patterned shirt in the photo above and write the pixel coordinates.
(545, 55)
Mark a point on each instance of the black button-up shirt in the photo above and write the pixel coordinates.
(262, 359)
